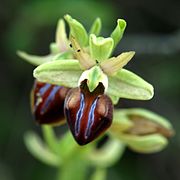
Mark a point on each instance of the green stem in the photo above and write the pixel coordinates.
(74, 168)
(50, 138)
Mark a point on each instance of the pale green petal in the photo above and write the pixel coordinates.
(77, 30)
(96, 27)
(118, 32)
(114, 64)
(61, 37)
(35, 60)
(61, 72)
(126, 84)
(100, 48)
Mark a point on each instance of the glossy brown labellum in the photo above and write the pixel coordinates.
(47, 102)
(88, 114)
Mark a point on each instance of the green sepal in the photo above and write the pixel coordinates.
(117, 34)
(94, 76)
(40, 151)
(126, 84)
(61, 72)
(63, 56)
(100, 48)
(35, 60)
(61, 37)
(96, 27)
(108, 154)
(77, 30)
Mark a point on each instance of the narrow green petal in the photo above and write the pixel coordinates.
(36, 147)
(96, 27)
(61, 37)
(112, 65)
(118, 32)
(100, 48)
(77, 30)
(126, 84)
(60, 72)
(35, 60)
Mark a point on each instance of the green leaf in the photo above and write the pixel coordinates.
(50, 138)
(36, 147)
(107, 155)
(96, 27)
(35, 60)
(126, 84)
(100, 48)
(61, 37)
(112, 65)
(77, 30)
(118, 32)
(61, 72)
(94, 76)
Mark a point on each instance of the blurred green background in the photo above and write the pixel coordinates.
(153, 31)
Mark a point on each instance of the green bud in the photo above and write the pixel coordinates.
(94, 76)
(118, 32)
(126, 84)
(100, 48)
(77, 30)
(96, 27)
(142, 130)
